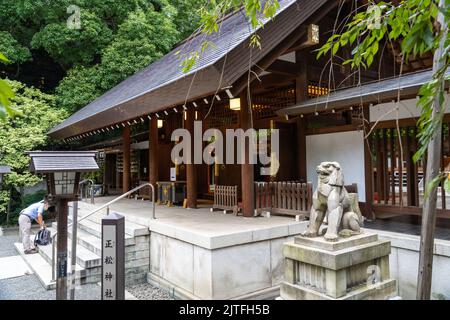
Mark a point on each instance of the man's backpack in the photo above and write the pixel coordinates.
(43, 237)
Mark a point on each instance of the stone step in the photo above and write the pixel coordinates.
(39, 266)
(85, 258)
(88, 241)
(93, 243)
(43, 269)
(92, 231)
(131, 227)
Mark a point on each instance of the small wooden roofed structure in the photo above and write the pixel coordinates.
(225, 65)
(55, 161)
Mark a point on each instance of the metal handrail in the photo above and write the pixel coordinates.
(106, 205)
(92, 189)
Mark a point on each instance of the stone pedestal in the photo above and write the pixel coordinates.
(355, 268)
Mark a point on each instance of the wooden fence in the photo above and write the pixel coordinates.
(286, 198)
(226, 198)
(398, 181)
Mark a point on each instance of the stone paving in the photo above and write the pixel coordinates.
(14, 285)
(29, 288)
(22, 284)
(442, 233)
(7, 246)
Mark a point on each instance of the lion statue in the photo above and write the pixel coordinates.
(332, 201)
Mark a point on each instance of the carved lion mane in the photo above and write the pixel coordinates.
(332, 200)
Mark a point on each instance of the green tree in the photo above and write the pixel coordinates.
(38, 31)
(13, 49)
(70, 46)
(23, 133)
(142, 38)
(6, 93)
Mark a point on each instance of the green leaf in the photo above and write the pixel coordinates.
(447, 184)
(3, 58)
(335, 47)
(6, 93)
(432, 185)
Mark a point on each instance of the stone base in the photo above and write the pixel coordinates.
(379, 291)
(355, 268)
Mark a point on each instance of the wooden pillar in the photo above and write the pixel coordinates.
(301, 149)
(191, 169)
(248, 185)
(368, 171)
(301, 94)
(126, 158)
(61, 250)
(153, 151)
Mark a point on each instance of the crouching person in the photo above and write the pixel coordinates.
(33, 212)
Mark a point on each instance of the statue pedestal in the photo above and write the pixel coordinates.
(354, 268)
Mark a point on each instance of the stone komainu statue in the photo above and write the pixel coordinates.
(332, 200)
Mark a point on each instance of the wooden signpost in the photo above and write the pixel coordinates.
(113, 257)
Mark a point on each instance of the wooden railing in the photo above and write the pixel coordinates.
(286, 198)
(226, 198)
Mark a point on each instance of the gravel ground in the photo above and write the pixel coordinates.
(29, 288)
(7, 239)
(146, 291)
(7, 245)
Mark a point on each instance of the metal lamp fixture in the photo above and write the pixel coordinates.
(235, 104)
(62, 170)
(160, 123)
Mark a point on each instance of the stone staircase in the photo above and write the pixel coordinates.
(88, 268)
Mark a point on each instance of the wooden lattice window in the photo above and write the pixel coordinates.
(316, 90)
(265, 105)
(221, 116)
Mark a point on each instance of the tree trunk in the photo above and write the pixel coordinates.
(433, 166)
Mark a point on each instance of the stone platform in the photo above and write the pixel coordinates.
(199, 254)
(355, 268)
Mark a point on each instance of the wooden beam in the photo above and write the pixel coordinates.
(153, 151)
(311, 38)
(126, 142)
(248, 185)
(283, 67)
(280, 49)
(271, 81)
(368, 170)
(333, 129)
(301, 149)
(191, 170)
(301, 94)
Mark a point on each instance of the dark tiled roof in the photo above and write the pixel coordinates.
(54, 161)
(373, 92)
(163, 84)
